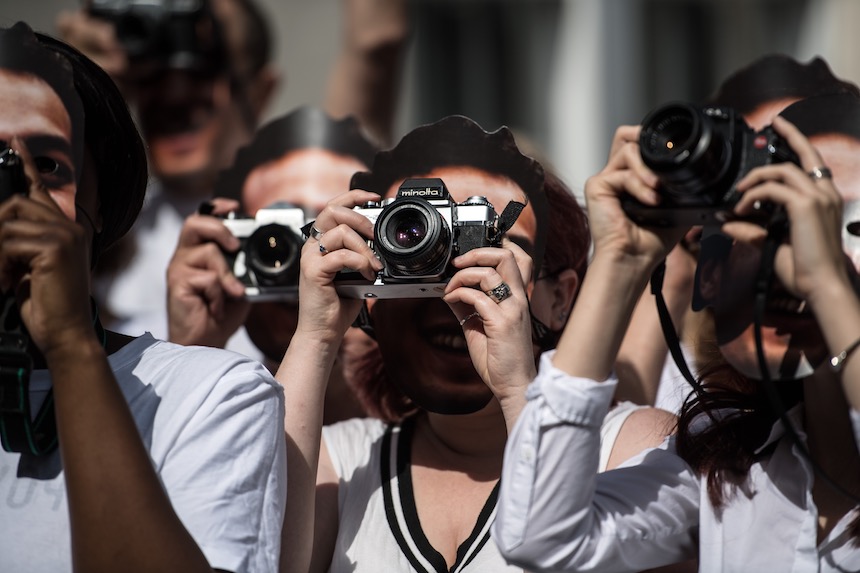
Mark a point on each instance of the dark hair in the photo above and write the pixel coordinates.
(304, 128)
(113, 141)
(458, 141)
(777, 76)
(568, 239)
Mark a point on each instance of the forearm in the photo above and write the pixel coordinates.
(837, 309)
(304, 374)
(556, 513)
(121, 518)
(601, 315)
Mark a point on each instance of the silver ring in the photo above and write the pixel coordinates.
(473, 315)
(499, 293)
(322, 248)
(315, 233)
(822, 172)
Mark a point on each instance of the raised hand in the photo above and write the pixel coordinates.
(44, 261)
(205, 301)
(340, 242)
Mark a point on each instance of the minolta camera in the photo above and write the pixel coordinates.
(417, 233)
(166, 34)
(12, 178)
(267, 261)
(699, 154)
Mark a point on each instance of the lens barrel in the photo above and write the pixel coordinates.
(272, 253)
(689, 150)
(412, 238)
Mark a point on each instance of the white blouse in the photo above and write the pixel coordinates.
(556, 512)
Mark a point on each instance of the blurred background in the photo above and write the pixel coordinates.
(561, 73)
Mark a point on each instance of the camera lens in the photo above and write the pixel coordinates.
(272, 252)
(413, 238)
(689, 150)
(408, 231)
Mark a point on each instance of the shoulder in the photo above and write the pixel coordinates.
(351, 443)
(356, 432)
(186, 382)
(643, 427)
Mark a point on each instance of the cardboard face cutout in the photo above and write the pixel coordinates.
(286, 175)
(46, 80)
(304, 158)
(424, 351)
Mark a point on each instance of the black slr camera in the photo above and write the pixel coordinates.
(12, 178)
(166, 34)
(267, 261)
(699, 154)
(418, 233)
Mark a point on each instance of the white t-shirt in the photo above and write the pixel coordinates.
(212, 422)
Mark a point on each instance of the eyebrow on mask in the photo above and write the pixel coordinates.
(40, 144)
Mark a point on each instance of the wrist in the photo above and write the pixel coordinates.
(74, 348)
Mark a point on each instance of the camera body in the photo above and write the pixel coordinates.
(12, 178)
(267, 261)
(699, 154)
(166, 34)
(417, 233)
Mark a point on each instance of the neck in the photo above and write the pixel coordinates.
(479, 436)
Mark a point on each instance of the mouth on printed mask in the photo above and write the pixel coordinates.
(447, 340)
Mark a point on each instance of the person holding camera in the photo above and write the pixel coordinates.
(199, 76)
(119, 454)
(756, 478)
(414, 487)
(292, 168)
(758, 91)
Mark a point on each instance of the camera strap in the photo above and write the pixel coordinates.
(669, 332)
(20, 430)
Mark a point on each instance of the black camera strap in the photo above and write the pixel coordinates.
(20, 430)
(669, 331)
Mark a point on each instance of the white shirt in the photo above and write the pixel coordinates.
(212, 424)
(556, 512)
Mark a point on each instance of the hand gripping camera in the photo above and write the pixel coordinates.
(166, 34)
(699, 154)
(418, 233)
(267, 261)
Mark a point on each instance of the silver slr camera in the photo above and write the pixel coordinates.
(267, 261)
(417, 233)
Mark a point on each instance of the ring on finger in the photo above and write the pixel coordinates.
(822, 172)
(323, 250)
(315, 233)
(499, 293)
(467, 318)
